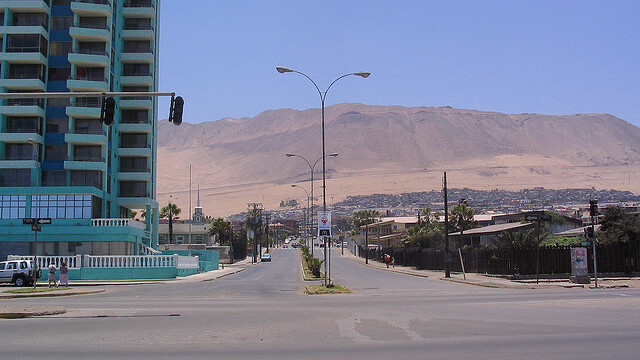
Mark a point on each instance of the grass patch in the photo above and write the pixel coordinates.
(321, 289)
(30, 290)
(308, 275)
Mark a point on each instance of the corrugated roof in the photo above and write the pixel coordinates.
(493, 228)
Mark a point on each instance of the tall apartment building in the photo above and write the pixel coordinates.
(57, 159)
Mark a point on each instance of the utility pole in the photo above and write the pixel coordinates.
(593, 211)
(268, 218)
(255, 209)
(447, 258)
(366, 243)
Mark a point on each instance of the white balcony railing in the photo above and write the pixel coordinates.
(73, 261)
(118, 222)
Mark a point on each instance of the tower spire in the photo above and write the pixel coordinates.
(198, 199)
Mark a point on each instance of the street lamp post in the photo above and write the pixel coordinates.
(305, 217)
(170, 219)
(323, 95)
(312, 169)
(36, 157)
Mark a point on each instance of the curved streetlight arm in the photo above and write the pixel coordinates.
(301, 157)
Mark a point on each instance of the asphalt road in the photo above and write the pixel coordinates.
(262, 313)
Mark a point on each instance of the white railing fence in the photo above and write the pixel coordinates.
(115, 261)
(118, 222)
(73, 261)
(145, 250)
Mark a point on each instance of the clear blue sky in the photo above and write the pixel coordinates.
(550, 57)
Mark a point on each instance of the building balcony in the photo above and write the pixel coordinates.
(25, 29)
(89, 34)
(18, 164)
(22, 110)
(135, 202)
(88, 85)
(135, 175)
(23, 84)
(128, 151)
(135, 128)
(145, 57)
(26, 6)
(35, 57)
(139, 9)
(91, 7)
(136, 104)
(137, 80)
(21, 137)
(138, 34)
(84, 163)
(86, 139)
(84, 112)
(88, 60)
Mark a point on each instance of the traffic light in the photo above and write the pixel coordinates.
(108, 110)
(588, 233)
(593, 207)
(175, 112)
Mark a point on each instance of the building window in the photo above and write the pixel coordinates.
(135, 116)
(61, 206)
(61, 23)
(15, 177)
(54, 178)
(59, 48)
(93, 22)
(26, 43)
(90, 73)
(137, 24)
(59, 74)
(87, 153)
(136, 70)
(132, 140)
(133, 189)
(86, 178)
(88, 126)
(137, 46)
(133, 164)
(23, 124)
(57, 125)
(12, 206)
(17, 151)
(30, 19)
(92, 48)
(59, 102)
(26, 71)
(55, 152)
(136, 89)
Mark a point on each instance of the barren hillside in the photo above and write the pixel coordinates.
(392, 149)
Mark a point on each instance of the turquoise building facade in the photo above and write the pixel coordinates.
(57, 159)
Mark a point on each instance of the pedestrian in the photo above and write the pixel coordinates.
(387, 259)
(393, 262)
(52, 275)
(64, 276)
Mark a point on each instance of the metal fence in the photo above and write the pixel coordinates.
(618, 258)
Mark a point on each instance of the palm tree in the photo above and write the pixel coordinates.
(461, 217)
(221, 228)
(171, 212)
(364, 217)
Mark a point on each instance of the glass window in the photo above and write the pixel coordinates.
(61, 23)
(55, 152)
(54, 178)
(86, 178)
(133, 140)
(17, 151)
(136, 69)
(23, 124)
(59, 74)
(12, 206)
(93, 22)
(137, 24)
(137, 46)
(95, 48)
(60, 209)
(58, 48)
(135, 116)
(59, 102)
(57, 125)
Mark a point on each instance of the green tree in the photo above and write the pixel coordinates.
(619, 226)
(170, 212)
(516, 239)
(221, 228)
(364, 217)
(461, 217)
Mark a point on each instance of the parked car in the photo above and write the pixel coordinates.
(18, 272)
(265, 257)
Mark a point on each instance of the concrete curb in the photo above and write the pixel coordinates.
(20, 312)
(226, 274)
(51, 294)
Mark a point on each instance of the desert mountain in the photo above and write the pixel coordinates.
(391, 149)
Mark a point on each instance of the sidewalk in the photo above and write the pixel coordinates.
(493, 281)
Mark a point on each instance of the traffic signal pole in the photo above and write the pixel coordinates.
(593, 211)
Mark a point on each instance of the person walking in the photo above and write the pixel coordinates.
(64, 274)
(52, 275)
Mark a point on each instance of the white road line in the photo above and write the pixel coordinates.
(259, 277)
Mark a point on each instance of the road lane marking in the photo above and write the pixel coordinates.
(259, 277)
